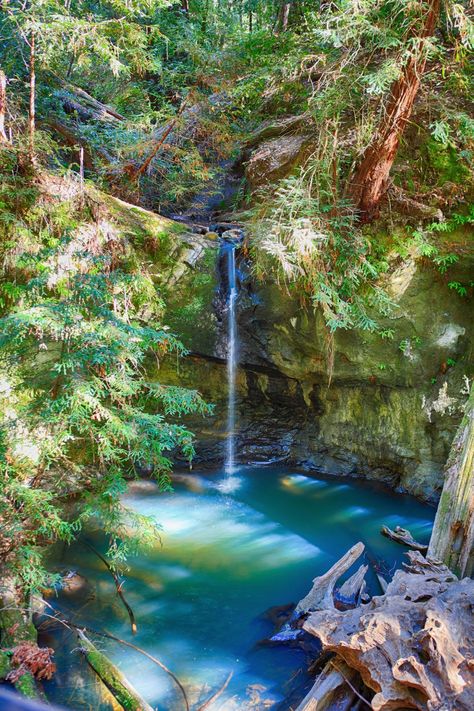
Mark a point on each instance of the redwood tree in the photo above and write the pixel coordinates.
(3, 104)
(32, 107)
(370, 180)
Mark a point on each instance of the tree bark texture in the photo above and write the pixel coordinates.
(452, 540)
(3, 105)
(370, 181)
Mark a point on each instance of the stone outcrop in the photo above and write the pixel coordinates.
(274, 158)
(393, 406)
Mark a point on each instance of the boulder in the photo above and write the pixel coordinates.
(275, 127)
(275, 158)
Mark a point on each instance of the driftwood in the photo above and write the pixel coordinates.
(413, 645)
(355, 585)
(126, 695)
(320, 597)
(331, 690)
(403, 536)
(382, 582)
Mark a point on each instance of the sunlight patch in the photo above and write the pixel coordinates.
(219, 532)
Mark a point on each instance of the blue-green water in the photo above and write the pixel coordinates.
(231, 549)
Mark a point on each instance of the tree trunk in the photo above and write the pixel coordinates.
(3, 105)
(185, 6)
(452, 540)
(283, 16)
(370, 181)
(31, 117)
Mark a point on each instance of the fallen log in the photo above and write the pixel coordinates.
(403, 536)
(68, 624)
(101, 111)
(73, 140)
(331, 690)
(126, 695)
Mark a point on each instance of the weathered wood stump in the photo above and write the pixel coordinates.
(412, 646)
(452, 540)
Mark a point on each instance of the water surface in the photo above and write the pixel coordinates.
(231, 548)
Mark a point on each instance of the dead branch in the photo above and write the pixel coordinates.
(143, 167)
(118, 585)
(403, 536)
(216, 695)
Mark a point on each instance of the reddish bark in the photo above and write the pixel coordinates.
(32, 111)
(370, 181)
(3, 105)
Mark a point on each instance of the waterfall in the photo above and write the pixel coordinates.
(232, 356)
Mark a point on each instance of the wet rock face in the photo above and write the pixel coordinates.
(393, 405)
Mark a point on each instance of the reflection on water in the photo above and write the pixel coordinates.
(227, 556)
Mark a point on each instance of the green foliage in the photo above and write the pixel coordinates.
(425, 242)
(312, 242)
(78, 413)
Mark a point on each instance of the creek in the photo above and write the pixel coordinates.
(226, 557)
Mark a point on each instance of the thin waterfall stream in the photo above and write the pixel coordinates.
(232, 359)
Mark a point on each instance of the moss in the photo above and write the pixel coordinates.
(113, 679)
(189, 305)
(444, 162)
(4, 664)
(105, 671)
(26, 685)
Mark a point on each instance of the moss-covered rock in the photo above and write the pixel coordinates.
(393, 403)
